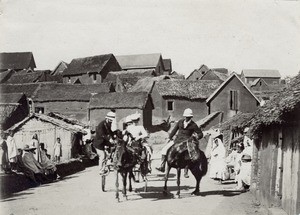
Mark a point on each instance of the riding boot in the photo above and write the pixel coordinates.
(186, 169)
(163, 163)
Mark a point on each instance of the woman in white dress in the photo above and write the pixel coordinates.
(217, 160)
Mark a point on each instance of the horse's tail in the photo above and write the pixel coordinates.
(203, 163)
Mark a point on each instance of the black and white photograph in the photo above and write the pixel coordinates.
(142, 107)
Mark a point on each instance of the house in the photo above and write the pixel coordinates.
(231, 97)
(167, 66)
(259, 84)
(269, 76)
(149, 85)
(48, 129)
(124, 103)
(60, 68)
(16, 61)
(142, 61)
(214, 75)
(70, 100)
(90, 70)
(276, 160)
(29, 76)
(124, 80)
(177, 95)
(13, 108)
(197, 73)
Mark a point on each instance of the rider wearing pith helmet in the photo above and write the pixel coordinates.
(186, 128)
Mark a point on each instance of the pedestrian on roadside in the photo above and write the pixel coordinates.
(12, 150)
(57, 148)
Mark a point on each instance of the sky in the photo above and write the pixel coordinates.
(233, 34)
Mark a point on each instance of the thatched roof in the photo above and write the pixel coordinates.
(146, 84)
(45, 118)
(69, 92)
(33, 77)
(113, 75)
(187, 89)
(66, 119)
(122, 100)
(27, 89)
(138, 61)
(278, 109)
(220, 88)
(16, 60)
(176, 75)
(261, 73)
(6, 110)
(88, 65)
(5, 75)
(236, 123)
(11, 98)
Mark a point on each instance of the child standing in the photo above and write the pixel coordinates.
(57, 150)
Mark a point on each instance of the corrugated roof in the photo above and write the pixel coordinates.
(69, 92)
(261, 73)
(10, 98)
(119, 100)
(51, 120)
(16, 60)
(86, 65)
(200, 89)
(138, 61)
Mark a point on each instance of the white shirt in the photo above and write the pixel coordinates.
(137, 131)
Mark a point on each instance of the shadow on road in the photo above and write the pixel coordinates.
(221, 193)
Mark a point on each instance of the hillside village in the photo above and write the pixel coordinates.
(71, 98)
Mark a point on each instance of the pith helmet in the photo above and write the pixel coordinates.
(188, 112)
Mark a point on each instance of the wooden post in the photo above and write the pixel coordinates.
(279, 170)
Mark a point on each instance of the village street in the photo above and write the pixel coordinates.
(81, 194)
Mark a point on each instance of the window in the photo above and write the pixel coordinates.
(233, 100)
(170, 105)
(39, 109)
(69, 79)
(94, 77)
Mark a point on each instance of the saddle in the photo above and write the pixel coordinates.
(191, 146)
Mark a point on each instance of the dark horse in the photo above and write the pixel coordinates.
(125, 159)
(186, 153)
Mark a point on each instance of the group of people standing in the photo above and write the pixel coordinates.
(238, 160)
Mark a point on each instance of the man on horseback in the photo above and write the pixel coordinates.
(103, 137)
(186, 128)
(138, 132)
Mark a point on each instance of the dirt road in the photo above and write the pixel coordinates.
(81, 194)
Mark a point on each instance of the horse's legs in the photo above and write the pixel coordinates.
(124, 178)
(166, 179)
(130, 176)
(198, 176)
(178, 182)
(117, 185)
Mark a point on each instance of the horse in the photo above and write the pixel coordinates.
(125, 159)
(186, 154)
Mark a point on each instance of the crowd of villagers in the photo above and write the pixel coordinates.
(236, 163)
(33, 160)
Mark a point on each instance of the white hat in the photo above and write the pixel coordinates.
(188, 112)
(135, 116)
(110, 115)
(246, 130)
(128, 119)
